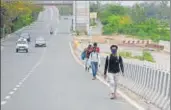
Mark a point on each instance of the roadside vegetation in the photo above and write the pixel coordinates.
(93, 23)
(148, 20)
(17, 14)
(145, 56)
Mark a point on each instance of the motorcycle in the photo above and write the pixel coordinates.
(51, 32)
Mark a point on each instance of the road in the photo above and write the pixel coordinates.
(98, 29)
(49, 78)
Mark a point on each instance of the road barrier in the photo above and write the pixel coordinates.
(136, 41)
(151, 84)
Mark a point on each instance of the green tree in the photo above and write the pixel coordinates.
(94, 7)
(138, 14)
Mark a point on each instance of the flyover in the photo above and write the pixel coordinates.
(80, 15)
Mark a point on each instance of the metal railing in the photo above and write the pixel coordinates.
(151, 84)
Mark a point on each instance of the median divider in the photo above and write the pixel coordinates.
(151, 84)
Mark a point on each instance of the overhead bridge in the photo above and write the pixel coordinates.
(53, 2)
(80, 12)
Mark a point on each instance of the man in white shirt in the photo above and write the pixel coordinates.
(95, 62)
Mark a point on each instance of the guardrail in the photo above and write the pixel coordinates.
(151, 84)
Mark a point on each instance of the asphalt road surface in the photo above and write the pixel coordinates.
(49, 78)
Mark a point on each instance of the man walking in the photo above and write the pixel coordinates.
(113, 65)
(95, 62)
(97, 48)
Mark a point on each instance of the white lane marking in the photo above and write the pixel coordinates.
(12, 92)
(17, 86)
(15, 89)
(100, 79)
(7, 97)
(20, 83)
(24, 79)
(3, 102)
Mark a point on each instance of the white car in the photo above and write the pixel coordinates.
(40, 42)
(22, 44)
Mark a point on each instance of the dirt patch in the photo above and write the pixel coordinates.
(99, 39)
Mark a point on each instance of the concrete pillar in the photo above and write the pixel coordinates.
(82, 15)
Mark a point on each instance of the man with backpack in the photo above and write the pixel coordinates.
(95, 62)
(113, 65)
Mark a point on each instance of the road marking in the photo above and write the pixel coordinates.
(20, 83)
(15, 89)
(132, 102)
(7, 97)
(28, 74)
(24, 79)
(17, 86)
(12, 92)
(3, 102)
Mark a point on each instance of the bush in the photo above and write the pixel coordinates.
(126, 54)
(116, 19)
(147, 56)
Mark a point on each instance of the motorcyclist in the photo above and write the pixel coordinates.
(51, 30)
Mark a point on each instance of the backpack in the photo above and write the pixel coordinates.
(83, 55)
(88, 52)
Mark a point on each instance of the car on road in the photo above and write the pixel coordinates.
(40, 42)
(22, 44)
(25, 36)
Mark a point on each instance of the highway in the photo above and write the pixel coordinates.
(49, 78)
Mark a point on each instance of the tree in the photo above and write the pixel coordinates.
(141, 20)
(93, 7)
(16, 14)
(138, 14)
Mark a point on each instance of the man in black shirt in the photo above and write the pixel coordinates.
(113, 66)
